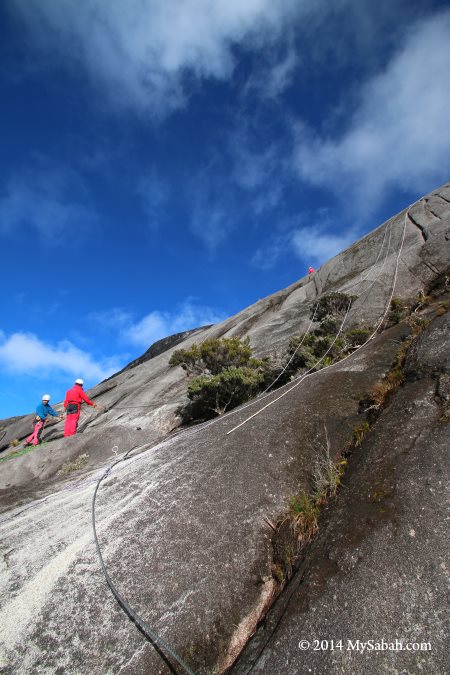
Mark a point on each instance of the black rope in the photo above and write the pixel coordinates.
(143, 627)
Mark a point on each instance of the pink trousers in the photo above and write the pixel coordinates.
(35, 437)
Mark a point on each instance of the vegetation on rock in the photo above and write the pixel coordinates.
(74, 465)
(225, 375)
(332, 305)
(324, 346)
(305, 507)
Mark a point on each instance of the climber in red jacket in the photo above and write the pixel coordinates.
(72, 404)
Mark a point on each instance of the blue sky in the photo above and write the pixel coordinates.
(165, 164)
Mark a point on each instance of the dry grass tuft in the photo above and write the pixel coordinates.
(74, 465)
(303, 512)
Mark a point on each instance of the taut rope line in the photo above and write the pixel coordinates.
(309, 373)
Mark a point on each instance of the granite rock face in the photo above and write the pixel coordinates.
(378, 570)
(150, 394)
(185, 522)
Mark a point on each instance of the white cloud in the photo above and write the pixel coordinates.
(51, 199)
(140, 53)
(281, 74)
(260, 168)
(269, 254)
(154, 193)
(211, 223)
(150, 55)
(149, 329)
(111, 319)
(316, 245)
(25, 353)
(212, 203)
(157, 325)
(254, 167)
(311, 243)
(274, 71)
(398, 134)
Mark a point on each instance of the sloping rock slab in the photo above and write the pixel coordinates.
(378, 571)
(148, 393)
(183, 534)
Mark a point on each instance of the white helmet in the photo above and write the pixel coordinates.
(46, 397)
(79, 381)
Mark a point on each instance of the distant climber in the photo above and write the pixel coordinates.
(43, 410)
(311, 270)
(72, 404)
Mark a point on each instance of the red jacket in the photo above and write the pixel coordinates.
(76, 395)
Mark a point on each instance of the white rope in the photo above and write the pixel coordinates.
(293, 355)
(377, 258)
(309, 373)
(266, 394)
(301, 378)
(316, 307)
(263, 396)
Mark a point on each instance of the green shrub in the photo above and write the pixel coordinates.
(226, 375)
(213, 356)
(301, 346)
(325, 362)
(276, 375)
(357, 336)
(329, 325)
(359, 433)
(326, 475)
(332, 304)
(398, 310)
(215, 394)
(188, 359)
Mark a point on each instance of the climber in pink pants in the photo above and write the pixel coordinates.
(72, 403)
(35, 437)
(43, 410)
